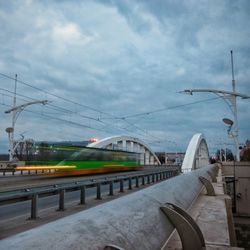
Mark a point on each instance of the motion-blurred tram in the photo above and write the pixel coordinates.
(81, 160)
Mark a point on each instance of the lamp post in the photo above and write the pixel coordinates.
(230, 98)
(230, 123)
(16, 110)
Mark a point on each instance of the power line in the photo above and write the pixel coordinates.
(75, 103)
(168, 108)
(59, 97)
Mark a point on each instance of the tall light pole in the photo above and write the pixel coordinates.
(230, 98)
(16, 110)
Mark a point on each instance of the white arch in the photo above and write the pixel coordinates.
(197, 154)
(128, 143)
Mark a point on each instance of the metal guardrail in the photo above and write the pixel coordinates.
(23, 172)
(13, 171)
(136, 221)
(33, 194)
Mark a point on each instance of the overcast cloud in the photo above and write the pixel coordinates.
(114, 59)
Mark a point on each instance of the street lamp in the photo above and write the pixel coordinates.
(16, 110)
(236, 142)
(230, 98)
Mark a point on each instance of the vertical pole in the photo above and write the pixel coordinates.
(232, 64)
(82, 195)
(111, 189)
(98, 191)
(148, 179)
(33, 215)
(11, 136)
(61, 200)
(129, 183)
(121, 186)
(137, 181)
(143, 181)
(233, 100)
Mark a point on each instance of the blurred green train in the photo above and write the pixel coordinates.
(65, 160)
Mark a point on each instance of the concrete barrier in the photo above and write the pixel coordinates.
(131, 222)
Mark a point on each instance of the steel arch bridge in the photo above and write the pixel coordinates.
(196, 156)
(128, 143)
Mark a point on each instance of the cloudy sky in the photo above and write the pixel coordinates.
(116, 67)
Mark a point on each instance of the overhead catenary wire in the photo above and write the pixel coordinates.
(73, 102)
(107, 125)
(168, 108)
(125, 119)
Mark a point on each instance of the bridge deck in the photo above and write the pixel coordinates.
(211, 214)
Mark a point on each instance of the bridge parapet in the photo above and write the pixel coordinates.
(135, 221)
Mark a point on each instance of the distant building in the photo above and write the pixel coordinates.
(170, 158)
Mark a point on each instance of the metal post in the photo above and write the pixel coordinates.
(121, 186)
(143, 181)
(130, 184)
(61, 200)
(111, 188)
(98, 191)
(148, 179)
(82, 195)
(137, 181)
(153, 177)
(33, 215)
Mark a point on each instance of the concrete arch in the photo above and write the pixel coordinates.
(197, 154)
(128, 143)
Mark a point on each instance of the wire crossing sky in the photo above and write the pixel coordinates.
(116, 67)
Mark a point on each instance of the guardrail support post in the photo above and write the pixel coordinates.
(143, 181)
(82, 195)
(137, 181)
(157, 177)
(33, 214)
(121, 186)
(130, 184)
(148, 179)
(98, 191)
(153, 177)
(61, 200)
(111, 188)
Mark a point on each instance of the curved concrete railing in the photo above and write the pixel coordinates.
(134, 221)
